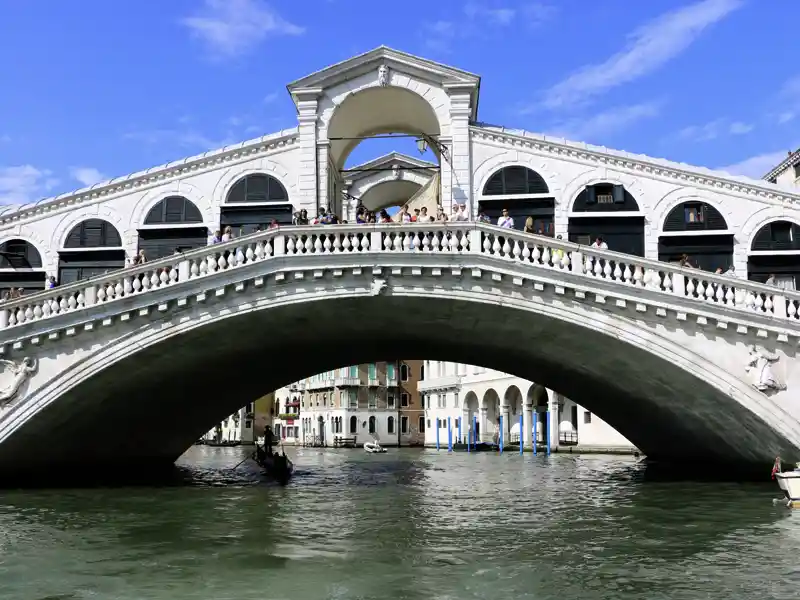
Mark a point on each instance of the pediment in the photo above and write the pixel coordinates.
(422, 68)
(386, 161)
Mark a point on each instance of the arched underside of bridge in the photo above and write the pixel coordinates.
(145, 409)
(388, 194)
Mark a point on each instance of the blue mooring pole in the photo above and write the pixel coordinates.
(474, 430)
(437, 433)
(460, 439)
(449, 435)
(521, 435)
(547, 430)
(535, 433)
(500, 437)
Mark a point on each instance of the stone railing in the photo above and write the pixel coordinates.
(434, 238)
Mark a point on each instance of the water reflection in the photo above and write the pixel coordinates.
(407, 524)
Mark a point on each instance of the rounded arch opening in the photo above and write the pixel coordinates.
(174, 224)
(389, 194)
(662, 406)
(696, 231)
(92, 247)
(21, 268)
(606, 214)
(526, 197)
(253, 203)
(774, 255)
(375, 111)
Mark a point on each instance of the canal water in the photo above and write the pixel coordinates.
(409, 524)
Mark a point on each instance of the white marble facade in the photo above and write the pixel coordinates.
(388, 90)
(457, 394)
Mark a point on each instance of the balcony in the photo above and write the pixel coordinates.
(373, 382)
(293, 403)
(347, 382)
(321, 384)
(439, 383)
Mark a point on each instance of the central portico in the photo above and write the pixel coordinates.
(382, 91)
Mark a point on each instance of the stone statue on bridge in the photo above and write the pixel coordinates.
(18, 372)
(759, 366)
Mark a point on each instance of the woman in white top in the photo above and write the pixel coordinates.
(227, 235)
(505, 220)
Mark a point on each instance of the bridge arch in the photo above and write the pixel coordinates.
(663, 393)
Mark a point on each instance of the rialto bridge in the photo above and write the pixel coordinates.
(131, 364)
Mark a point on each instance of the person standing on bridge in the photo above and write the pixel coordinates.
(599, 244)
(505, 220)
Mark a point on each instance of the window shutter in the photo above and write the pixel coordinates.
(619, 194)
(591, 195)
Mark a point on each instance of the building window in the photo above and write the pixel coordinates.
(587, 417)
(796, 171)
(455, 400)
(694, 213)
(373, 401)
(404, 399)
(390, 425)
(353, 424)
(390, 376)
(257, 188)
(324, 399)
(390, 401)
(422, 372)
(373, 371)
(422, 424)
(352, 398)
(403, 372)
(372, 425)
(354, 371)
(428, 400)
(403, 424)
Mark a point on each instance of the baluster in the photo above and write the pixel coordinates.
(454, 241)
(506, 249)
(701, 290)
(327, 246)
(435, 242)
(426, 242)
(546, 256)
(730, 297)
(317, 247)
(463, 242)
(627, 275)
(487, 244)
(668, 282)
(173, 275)
(617, 272)
(250, 255)
(101, 294)
(397, 242)
(791, 309)
(73, 304)
(260, 251)
(565, 261)
(759, 303)
(388, 241)
(37, 312)
(154, 280)
(536, 255)
(598, 267)
(638, 275)
(719, 296)
(364, 243)
(607, 269)
(346, 246)
(63, 305)
(54, 306)
(28, 313)
(239, 256)
(222, 262)
(750, 300)
(46, 308)
(127, 286)
(768, 304)
(406, 241)
(211, 264)
(309, 245)
(291, 246)
(337, 242)
(496, 247)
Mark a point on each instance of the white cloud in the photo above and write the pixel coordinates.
(607, 122)
(713, 130)
(270, 98)
(756, 166)
(651, 46)
(87, 175)
(24, 183)
(786, 117)
(188, 139)
(234, 27)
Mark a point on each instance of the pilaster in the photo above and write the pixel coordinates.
(460, 149)
(307, 181)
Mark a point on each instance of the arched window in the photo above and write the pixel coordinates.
(390, 425)
(175, 209)
(777, 236)
(19, 254)
(694, 216)
(515, 180)
(353, 424)
(372, 424)
(257, 188)
(93, 233)
(605, 197)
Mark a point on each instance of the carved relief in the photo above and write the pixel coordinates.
(759, 366)
(13, 376)
(383, 76)
(378, 287)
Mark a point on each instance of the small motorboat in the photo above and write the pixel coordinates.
(789, 482)
(374, 447)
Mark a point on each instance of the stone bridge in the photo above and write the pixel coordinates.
(130, 368)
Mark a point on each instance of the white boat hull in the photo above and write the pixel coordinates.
(789, 482)
(374, 448)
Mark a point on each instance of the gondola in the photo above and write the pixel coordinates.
(276, 466)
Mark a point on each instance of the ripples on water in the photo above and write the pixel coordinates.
(402, 525)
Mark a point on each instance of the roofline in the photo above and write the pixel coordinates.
(149, 176)
(394, 155)
(790, 160)
(700, 176)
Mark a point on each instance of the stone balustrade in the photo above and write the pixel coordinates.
(445, 238)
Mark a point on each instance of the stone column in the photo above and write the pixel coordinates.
(460, 154)
(553, 406)
(527, 424)
(307, 182)
(505, 411)
(465, 425)
(323, 175)
(482, 421)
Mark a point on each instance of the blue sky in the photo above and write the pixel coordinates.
(92, 89)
